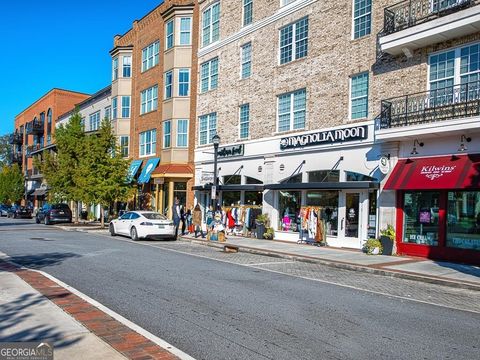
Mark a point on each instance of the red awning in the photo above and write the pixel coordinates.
(443, 172)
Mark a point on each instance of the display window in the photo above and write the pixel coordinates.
(289, 210)
(421, 217)
(231, 198)
(328, 201)
(253, 197)
(463, 219)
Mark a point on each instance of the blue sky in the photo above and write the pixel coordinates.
(61, 44)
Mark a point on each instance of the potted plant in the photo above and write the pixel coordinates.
(269, 233)
(261, 223)
(387, 239)
(372, 247)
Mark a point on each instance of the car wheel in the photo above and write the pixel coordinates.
(133, 233)
(111, 228)
(37, 220)
(46, 221)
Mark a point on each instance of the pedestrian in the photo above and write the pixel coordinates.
(183, 218)
(176, 215)
(197, 221)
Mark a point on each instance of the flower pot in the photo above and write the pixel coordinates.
(260, 230)
(387, 245)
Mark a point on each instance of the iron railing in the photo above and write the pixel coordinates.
(33, 172)
(447, 103)
(35, 127)
(408, 13)
(17, 157)
(16, 138)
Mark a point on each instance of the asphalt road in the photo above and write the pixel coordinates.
(213, 305)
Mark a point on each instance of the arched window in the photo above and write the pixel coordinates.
(49, 126)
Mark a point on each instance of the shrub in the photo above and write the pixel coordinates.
(371, 245)
(262, 219)
(269, 233)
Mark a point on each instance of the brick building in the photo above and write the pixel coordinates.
(162, 49)
(34, 132)
(311, 102)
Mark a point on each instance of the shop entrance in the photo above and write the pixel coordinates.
(351, 218)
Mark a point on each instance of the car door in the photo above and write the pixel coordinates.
(121, 225)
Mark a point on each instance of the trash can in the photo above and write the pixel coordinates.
(83, 215)
(260, 230)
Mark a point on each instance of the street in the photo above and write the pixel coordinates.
(214, 305)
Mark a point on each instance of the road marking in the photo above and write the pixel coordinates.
(160, 342)
(272, 262)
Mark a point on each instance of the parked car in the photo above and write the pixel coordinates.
(3, 210)
(17, 211)
(143, 225)
(54, 213)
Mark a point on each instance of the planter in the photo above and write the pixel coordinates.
(387, 245)
(260, 231)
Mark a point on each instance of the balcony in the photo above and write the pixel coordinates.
(16, 138)
(17, 158)
(34, 173)
(413, 24)
(453, 108)
(35, 128)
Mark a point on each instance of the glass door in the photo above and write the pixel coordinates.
(351, 219)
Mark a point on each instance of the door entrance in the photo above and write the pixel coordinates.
(352, 219)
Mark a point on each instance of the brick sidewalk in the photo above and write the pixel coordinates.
(120, 337)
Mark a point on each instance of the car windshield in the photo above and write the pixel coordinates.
(154, 216)
(60, 206)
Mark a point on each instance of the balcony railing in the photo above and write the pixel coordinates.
(409, 13)
(16, 138)
(33, 173)
(35, 127)
(17, 158)
(447, 103)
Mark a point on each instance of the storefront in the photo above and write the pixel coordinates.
(438, 207)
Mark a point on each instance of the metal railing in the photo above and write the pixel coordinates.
(33, 172)
(447, 103)
(17, 157)
(16, 138)
(35, 127)
(408, 13)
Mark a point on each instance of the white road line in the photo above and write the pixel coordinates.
(271, 262)
(160, 342)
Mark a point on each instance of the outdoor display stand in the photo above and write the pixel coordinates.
(312, 226)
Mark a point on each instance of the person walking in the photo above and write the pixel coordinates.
(177, 216)
(197, 220)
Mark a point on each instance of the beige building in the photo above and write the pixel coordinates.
(297, 92)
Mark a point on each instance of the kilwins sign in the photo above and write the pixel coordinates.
(434, 172)
(230, 151)
(325, 137)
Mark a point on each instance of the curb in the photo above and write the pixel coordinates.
(341, 265)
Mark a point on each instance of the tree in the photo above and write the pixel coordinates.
(5, 150)
(62, 170)
(103, 171)
(12, 185)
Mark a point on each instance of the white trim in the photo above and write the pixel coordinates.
(280, 14)
(177, 133)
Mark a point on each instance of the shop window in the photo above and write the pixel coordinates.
(250, 180)
(293, 179)
(324, 176)
(328, 201)
(253, 198)
(232, 179)
(463, 220)
(420, 223)
(230, 198)
(289, 209)
(353, 176)
(180, 192)
(372, 215)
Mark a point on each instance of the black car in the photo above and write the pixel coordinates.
(17, 211)
(54, 213)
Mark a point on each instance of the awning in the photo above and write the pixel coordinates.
(147, 170)
(344, 185)
(133, 169)
(40, 192)
(173, 170)
(443, 172)
(246, 187)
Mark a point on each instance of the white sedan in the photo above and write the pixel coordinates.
(143, 225)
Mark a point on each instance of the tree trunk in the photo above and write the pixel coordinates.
(76, 212)
(102, 216)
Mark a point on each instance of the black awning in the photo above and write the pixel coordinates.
(246, 187)
(345, 185)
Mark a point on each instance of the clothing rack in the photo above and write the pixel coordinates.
(312, 225)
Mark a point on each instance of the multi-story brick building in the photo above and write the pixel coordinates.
(298, 93)
(34, 132)
(162, 49)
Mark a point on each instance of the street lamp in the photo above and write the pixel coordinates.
(216, 142)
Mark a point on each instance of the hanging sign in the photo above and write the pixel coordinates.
(214, 192)
(325, 137)
(384, 165)
(231, 151)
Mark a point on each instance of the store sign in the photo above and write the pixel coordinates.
(206, 178)
(213, 195)
(231, 151)
(325, 137)
(384, 165)
(159, 181)
(433, 172)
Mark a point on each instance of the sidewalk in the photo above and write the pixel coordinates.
(445, 273)
(35, 308)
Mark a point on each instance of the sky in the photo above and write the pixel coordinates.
(58, 44)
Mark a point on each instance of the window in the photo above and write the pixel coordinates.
(211, 24)
(209, 75)
(294, 41)
(168, 84)
(167, 133)
(114, 108)
(291, 110)
(328, 200)
(421, 215)
(125, 106)
(127, 66)
(463, 220)
(82, 124)
(108, 113)
(95, 121)
(170, 27)
(244, 121)
(324, 176)
(115, 69)
(246, 60)
(149, 98)
(289, 208)
(124, 145)
(286, 2)
(362, 18)
(183, 82)
(185, 30)
(49, 126)
(359, 96)
(182, 133)
(207, 128)
(247, 12)
(148, 141)
(150, 56)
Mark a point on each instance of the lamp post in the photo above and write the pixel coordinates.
(216, 142)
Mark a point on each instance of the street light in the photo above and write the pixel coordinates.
(216, 142)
